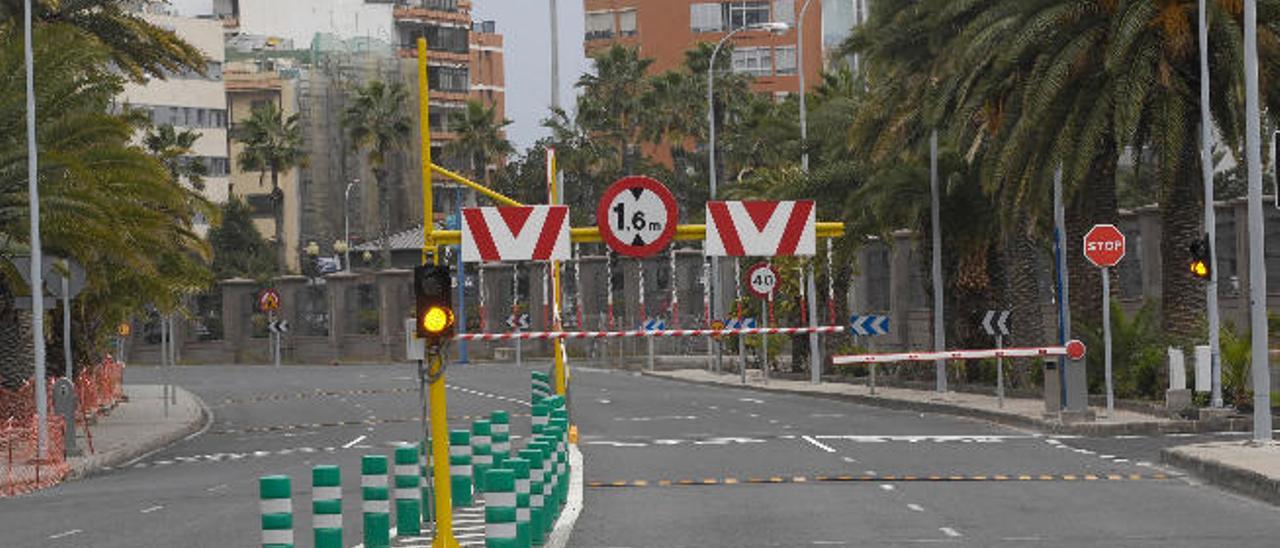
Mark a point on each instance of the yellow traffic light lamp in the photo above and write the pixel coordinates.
(437, 320)
(433, 293)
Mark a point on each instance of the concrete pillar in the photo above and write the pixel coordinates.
(901, 277)
(395, 303)
(237, 294)
(1150, 230)
(338, 285)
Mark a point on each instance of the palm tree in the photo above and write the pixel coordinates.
(376, 123)
(611, 105)
(272, 143)
(480, 139)
(173, 149)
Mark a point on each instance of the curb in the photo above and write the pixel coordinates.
(1239, 480)
(105, 462)
(559, 537)
(1009, 419)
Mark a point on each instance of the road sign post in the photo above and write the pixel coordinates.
(999, 331)
(1104, 246)
(762, 280)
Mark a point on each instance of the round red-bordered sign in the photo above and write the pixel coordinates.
(762, 280)
(1075, 349)
(637, 216)
(269, 300)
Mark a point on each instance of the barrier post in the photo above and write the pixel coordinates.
(460, 466)
(540, 413)
(541, 386)
(377, 501)
(408, 492)
(428, 511)
(481, 453)
(521, 469)
(500, 427)
(561, 426)
(536, 496)
(500, 528)
(326, 506)
(275, 499)
(549, 506)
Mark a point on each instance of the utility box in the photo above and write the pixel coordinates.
(1077, 397)
(64, 405)
(1052, 387)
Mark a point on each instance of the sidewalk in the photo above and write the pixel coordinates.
(1020, 412)
(1243, 467)
(137, 427)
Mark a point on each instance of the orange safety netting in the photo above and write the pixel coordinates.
(98, 389)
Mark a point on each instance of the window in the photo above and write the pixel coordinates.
(187, 117)
(450, 39)
(753, 61)
(452, 79)
(627, 23)
(784, 11)
(599, 25)
(784, 58)
(706, 17)
(444, 118)
(745, 14)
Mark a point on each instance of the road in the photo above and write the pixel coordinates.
(678, 465)
(202, 493)
(667, 464)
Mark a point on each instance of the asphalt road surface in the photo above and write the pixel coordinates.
(678, 465)
(667, 464)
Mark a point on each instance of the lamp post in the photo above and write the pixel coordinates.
(804, 108)
(346, 224)
(773, 27)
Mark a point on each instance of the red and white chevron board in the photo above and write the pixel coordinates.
(533, 233)
(761, 229)
(542, 335)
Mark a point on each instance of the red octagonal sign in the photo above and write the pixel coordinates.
(1104, 245)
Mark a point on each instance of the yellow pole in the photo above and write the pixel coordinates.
(557, 344)
(439, 418)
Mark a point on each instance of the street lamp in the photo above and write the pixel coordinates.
(341, 246)
(346, 224)
(774, 27)
(804, 109)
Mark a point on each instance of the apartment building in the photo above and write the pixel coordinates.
(665, 29)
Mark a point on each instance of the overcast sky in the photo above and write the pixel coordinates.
(526, 25)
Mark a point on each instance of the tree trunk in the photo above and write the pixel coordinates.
(277, 207)
(1183, 306)
(384, 213)
(1095, 203)
(17, 362)
(1023, 256)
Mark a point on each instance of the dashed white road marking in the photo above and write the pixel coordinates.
(818, 444)
(915, 507)
(887, 486)
(850, 460)
(152, 509)
(950, 532)
(65, 534)
(830, 542)
(216, 488)
(750, 400)
(352, 443)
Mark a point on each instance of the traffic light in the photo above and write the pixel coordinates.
(1201, 267)
(432, 288)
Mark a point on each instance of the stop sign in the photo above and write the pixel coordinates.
(1104, 245)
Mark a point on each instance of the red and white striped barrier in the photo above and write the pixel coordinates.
(1074, 350)
(545, 335)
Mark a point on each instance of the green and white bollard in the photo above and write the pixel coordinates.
(408, 491)
(550, 508)
(536, 517)
(500, 427)
(424, 479)
(500, 530)
(551, 439)
(540, 384)
(521, 469)
(460, 467)
(541, 413)
(275, 499)
(377, 501)
(481, 452)
(326, 506)
(561, 425)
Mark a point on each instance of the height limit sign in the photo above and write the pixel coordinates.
(637, 216)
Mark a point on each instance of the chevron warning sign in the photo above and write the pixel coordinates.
(761, 229)
(534, 233)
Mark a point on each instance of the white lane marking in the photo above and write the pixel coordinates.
(887, 486)
(850, 460)
(870, 473)
(950, 532)
(973, 438)
(216, 488)
(65, 534)
(830, 542)
(915, 507)
(1129, 437)
(1108, 457)
(826, 415)
(1022, 539)
(605, 402)
(152, 509)
(750, 400)
(1182, 435)
(352, 443)
(649, 419)
(818, 444)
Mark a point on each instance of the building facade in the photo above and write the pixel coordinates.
(191, 101)
(664, 30)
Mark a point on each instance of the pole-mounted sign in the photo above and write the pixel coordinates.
(1104, 246)
(762, 280)
(637, 216)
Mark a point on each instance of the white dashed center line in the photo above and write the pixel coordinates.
(949, 532)
(65, 534)
(352, 443)
(915, 507)
(152, 509)
(887, 487)
(818, 444)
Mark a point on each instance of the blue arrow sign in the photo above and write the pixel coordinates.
(869, 325)
(654, 325)
(744, 323)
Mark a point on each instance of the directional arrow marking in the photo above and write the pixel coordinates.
(986, 322)
(1002, 323)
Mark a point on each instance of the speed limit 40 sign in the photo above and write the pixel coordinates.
(762, 280)
(637, 216)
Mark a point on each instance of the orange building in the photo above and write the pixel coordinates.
(665, 29)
